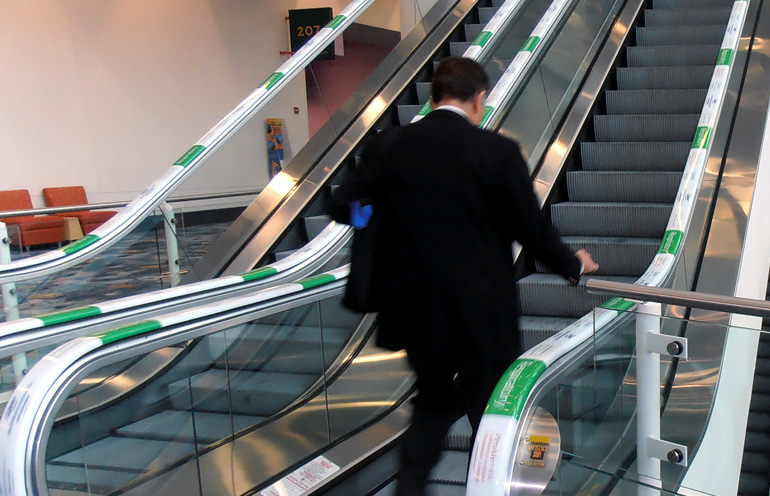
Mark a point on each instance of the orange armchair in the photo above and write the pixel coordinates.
(30, 230)
(76, 195)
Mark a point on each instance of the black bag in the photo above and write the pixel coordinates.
(363, 287)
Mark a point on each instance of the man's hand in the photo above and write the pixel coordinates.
(589, 266)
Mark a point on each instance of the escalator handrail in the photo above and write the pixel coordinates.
(122, 223)
(18, 336)
(29, 411)
(513, 393)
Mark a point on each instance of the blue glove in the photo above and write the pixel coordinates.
(360, 214)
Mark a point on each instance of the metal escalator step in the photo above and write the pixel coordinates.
(451, 467)
(535, 329)
(458, 48)
(674, 55)
(315, 224)
(685, 101)
(680, 35)
(757, 463)
(280, 348)
(406, 113)
(640, 78)
(761, 385)
(686, 17)
(762, 367)
(137, 455)
(635, 156)
(757, 442)
(247, 392)
(486, 14)
(615, 186)
(423, 92)
(280, 255)
(759, 421)
(628, 257)
(760, 402)
(628, 220)
(177, 425)
(675, 127)
(684, 4)
(459, 436)
(439, 489)
(552, 295)
(753, 484)
(75, 479)
(472, 31)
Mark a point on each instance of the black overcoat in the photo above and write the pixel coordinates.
(451, 198)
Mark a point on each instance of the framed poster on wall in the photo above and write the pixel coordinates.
(274, 128)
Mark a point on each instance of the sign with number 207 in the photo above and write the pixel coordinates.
(304, 23)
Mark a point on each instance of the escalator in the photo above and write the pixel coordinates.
(633, 205)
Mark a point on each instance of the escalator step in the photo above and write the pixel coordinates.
(760, 402)
(552, 295)
(753, 484)
(128, 454)
(407, 112)
(246, 392)
(657, 56)
(757, 463)
(459, 436)
(534, 330)
(66, 479)
(685, 101)
(762, 367)
(686, 17)
(630, 156)
(423, 92)
(680, 35)
(315, 224)
(278, 348)
(472, 31)
(757, 442)
(761, 385)
(176, 425)
(628, 220)
(763, 351)
(452, 467)
(684, 4)
(613, 186)
(676, 127)
(627, 257)
(759, 421)
(486, 14)
(640, 78)
(458, 48)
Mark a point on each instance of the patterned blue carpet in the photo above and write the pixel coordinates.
(136, 264)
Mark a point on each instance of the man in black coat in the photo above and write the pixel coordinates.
(450, 199)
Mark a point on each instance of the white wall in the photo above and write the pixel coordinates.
(109, 93)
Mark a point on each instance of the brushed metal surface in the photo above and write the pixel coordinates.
(287, 195)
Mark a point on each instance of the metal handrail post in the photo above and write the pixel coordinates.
(172, 247)
(11, 301)
(647, 398)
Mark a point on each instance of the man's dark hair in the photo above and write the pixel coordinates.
(458, 77)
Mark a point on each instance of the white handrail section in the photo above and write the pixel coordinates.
(122, 223)
(490, 470)
(333, 234)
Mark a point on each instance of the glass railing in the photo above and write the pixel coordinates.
(628, 412)
(161, 406)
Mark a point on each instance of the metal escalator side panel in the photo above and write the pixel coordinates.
(274, 210)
